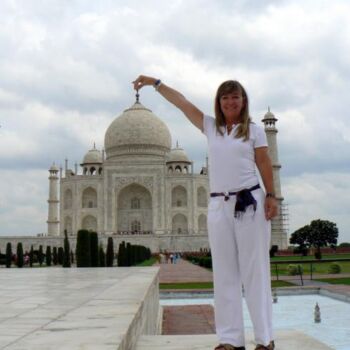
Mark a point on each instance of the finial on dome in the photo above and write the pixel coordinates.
(268, 108)
(137, 97)
(177, 144)
(94, 145)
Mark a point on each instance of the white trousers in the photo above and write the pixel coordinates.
(240, 255)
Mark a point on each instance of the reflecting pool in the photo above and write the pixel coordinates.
(297, 312)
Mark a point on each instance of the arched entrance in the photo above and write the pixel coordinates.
(134, 210)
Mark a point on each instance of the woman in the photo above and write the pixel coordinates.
(239, 212)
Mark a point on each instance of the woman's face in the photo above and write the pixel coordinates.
(231, 105)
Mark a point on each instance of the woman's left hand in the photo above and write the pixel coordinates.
(271, 208)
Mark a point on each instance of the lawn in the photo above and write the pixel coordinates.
(310, 257)
(148, 262)
(209, 285)
(335, 280)
(317, 268)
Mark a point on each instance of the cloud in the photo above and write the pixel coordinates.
(23, 202)
(318, 196)
(66, 69)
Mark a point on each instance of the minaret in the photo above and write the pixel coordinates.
(52, 220)
(278, 230)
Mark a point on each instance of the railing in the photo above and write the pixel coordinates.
(304, 262)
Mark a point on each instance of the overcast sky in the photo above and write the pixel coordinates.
(66, 69)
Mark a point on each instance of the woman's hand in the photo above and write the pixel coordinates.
(142, 81)
(271, 208)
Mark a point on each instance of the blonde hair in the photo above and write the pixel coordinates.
(225, 88)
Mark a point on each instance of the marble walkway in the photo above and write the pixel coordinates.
(71, 309)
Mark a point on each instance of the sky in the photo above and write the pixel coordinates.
(66, 68)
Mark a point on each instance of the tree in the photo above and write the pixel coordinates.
(344, 245)
(94, 249)
(54, 256)
(121, 254)
(102, 257)
(301, 238)
(129, 254)
(66, 251)
(110, 252)
(31, 256)
(83, 249)
(48, 256)
(60, 255)
(40, 255)
(8, 255)
(322, 234)
(19, 253)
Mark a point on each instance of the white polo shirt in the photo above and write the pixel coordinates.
(232, 160)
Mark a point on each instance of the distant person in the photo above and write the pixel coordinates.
(239, 211)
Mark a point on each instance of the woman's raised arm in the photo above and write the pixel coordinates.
(173, 96)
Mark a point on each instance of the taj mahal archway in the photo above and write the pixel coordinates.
(134, 210)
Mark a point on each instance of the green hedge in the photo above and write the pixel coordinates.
(334, 268)
(294, 270)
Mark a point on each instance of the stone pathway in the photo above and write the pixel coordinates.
(183, 271)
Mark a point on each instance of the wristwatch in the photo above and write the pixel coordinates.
(270, 195)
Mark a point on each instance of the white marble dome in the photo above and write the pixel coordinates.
(92, 157)
(137, 131)
(178, 155)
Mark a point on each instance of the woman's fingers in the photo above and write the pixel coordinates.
(270, 208)
(143, 80)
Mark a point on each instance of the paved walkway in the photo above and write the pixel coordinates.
(183, 271)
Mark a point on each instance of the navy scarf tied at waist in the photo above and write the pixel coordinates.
(244, 199)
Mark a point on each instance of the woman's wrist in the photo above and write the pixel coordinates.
(270, 195)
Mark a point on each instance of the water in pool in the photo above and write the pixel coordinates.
(297, 312)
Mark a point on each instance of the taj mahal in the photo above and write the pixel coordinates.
(140, 190)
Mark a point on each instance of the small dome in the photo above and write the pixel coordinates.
(54, 167)
(178, 155)
(93, 156)
(137, 131)
(269, 116)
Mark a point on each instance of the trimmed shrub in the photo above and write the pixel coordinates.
(294, 270)
(8, 255)
(121, 254)
(110, 252)
(83, 249)
(94, 249)
(48, 256)
(102, 257)
(334, 268)
(129, 255)
(54, 256)
(318, 255)
(60, 255)
(273, 251)
(40, 255)
(31, 256)
(19, 253)
(66, 251)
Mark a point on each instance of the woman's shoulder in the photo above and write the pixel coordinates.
(208, 123)
(255, 127)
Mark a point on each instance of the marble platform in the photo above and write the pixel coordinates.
(91, 308)
(285, 340)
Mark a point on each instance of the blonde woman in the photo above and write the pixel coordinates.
(239, 211)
